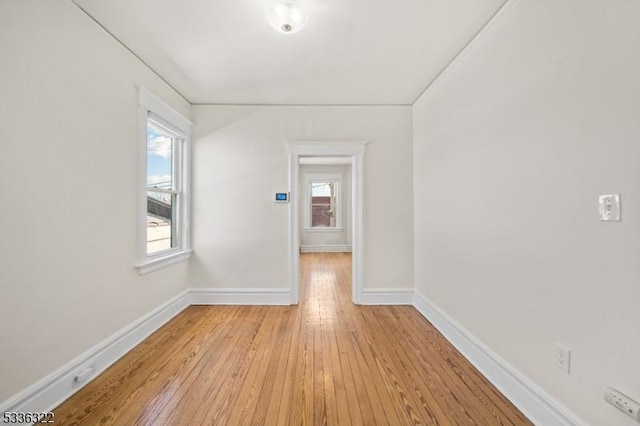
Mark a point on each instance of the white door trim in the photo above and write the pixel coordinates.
(355, 150)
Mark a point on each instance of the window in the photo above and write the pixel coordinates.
(164, 201)
(323, 202)
(163, 186)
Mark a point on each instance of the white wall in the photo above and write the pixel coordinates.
(69, 125)
(240, 161)
(513, 145)
(327, 237)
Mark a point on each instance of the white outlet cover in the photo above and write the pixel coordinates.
(609, 207)
(562, 358)
(622, 402)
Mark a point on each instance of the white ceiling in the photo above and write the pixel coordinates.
(352, 52)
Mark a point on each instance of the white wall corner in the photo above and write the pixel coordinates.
(489, 23)
(52, 390)
(386, 296)
(240, 296)
(149, 100)
(535, 403)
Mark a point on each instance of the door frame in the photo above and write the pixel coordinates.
(355, 150)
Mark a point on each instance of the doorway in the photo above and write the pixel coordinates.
(353, 152)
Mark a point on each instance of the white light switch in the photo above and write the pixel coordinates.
(609, 207)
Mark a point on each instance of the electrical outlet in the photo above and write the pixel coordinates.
(622, 402)
(562, 357)
(609, 207)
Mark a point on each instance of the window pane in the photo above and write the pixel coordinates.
(159, 157)
(160, 222)
(323, 200)
(322, 215)
(322, 189)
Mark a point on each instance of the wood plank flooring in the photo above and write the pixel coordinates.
(323, 362)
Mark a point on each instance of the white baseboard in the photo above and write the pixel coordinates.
(534, 402)
(52, 390)
(386, 296)
(325, 248)
(235, 296)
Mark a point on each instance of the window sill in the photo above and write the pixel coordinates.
(323, 229)
(160, 262)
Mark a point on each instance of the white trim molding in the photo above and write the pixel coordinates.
(325, 248)
(167, 260)
(55, 388)
(535, 403)
(153, 102)
(240, 296)
(152, 108)
(387, 296)
(355, 151)
(52, 390)
(336, 180)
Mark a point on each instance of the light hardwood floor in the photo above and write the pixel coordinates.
(324, 361)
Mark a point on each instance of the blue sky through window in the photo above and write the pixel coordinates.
(321, 189)
(158, 157)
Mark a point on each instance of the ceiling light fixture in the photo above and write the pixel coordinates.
(286, 16)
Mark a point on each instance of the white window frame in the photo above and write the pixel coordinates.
(151, 106)
(336, 179)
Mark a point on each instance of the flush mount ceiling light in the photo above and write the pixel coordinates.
(286, 16)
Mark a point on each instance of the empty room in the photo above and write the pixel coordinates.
(320, 212)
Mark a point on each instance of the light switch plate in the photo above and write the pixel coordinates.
(609, 207)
